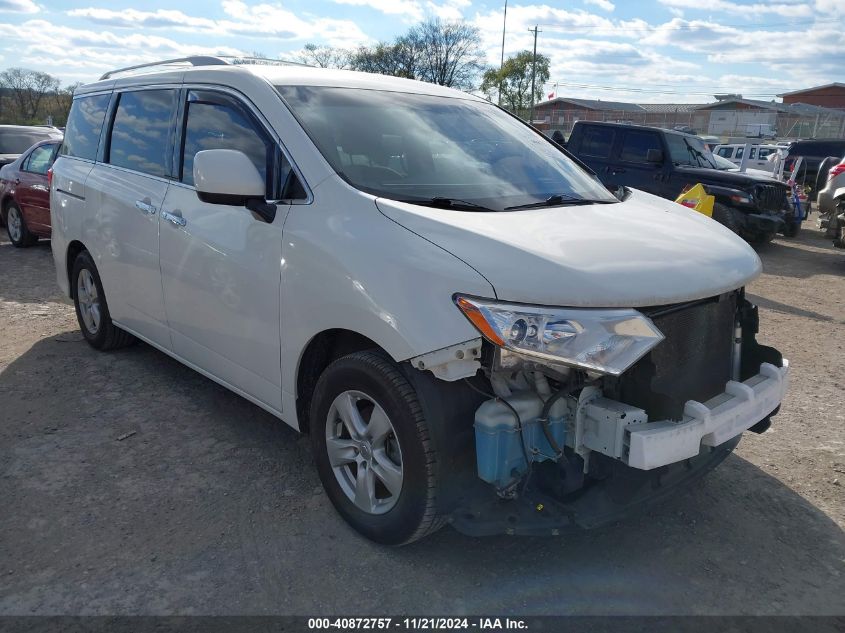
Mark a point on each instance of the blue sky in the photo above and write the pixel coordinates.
(645, 51)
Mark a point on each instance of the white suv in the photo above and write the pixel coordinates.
(469, 325)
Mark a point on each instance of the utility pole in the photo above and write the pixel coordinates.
(502, 63)
(535, 30)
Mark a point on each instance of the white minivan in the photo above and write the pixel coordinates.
(472, 329)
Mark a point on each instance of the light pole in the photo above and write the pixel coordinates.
(502, 63)
(535, 30)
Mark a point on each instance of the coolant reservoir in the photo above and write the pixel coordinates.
(500, 453)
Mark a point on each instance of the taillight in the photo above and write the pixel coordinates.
(50, 178)
(837, 170)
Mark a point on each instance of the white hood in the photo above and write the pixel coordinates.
(642, 252)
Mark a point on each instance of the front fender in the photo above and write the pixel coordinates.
(347, 266)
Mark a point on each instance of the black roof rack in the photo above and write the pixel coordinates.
(206, 60)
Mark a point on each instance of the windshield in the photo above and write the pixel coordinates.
(689, 150)
(722, 163)
(422, 148)
(18, 142)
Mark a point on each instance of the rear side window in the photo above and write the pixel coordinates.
(636, 145)
(725, 152)
(213, 122)
(597, 142)
(740, 151)
(84, 124)
(141, 132)
(39, 161)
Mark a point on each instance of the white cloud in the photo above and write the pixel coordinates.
(133, 18)
(408, 8)
(605, 5)
(416, 10)
(448, 10)
(828, 6)
(18, 6)
(257, 20)
(777, 8)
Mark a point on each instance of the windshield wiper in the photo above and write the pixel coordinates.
(440, 202)
(699, 156)
(558, 200)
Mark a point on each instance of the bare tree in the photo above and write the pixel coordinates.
(325, 56)
(450, 53)
(27, 90)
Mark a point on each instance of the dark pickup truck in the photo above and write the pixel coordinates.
(665, 162)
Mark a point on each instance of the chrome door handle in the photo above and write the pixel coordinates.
(145, 207)
(174, 218)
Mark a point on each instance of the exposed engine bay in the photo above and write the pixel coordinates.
(550, 431)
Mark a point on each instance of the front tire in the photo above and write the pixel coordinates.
(792, 229)
(373, 449)
(16, 227)
(92, 310)
(727, 217)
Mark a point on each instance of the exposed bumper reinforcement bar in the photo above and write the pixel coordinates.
(741, 406)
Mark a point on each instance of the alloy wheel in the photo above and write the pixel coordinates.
(89, 301)
(15, 224)
(364, 452)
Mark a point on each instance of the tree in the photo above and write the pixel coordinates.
(450, 53)
(27, 90)
(325, 56)
(513, 81)
(400, 59)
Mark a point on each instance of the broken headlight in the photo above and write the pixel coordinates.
(606, 341)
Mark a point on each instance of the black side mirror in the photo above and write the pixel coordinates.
(654, 156)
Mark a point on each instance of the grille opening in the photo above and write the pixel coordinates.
(692, 363)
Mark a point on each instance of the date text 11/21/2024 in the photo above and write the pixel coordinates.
(417, 624)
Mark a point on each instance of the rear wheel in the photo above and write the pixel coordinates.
(92, 310)
(16, 227)
(373, 450)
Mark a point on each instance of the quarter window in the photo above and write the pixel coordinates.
(725, 152)
(140, 135)
(636, 145)
(84, 125)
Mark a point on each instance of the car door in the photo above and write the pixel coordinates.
(129, 185)
(594, 148)
(221, 264)
(632, 168)
(33, 191)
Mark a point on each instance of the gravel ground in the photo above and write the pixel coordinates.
(211, 506)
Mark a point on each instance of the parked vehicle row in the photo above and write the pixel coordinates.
(666, 162)
(469, 325)
(25, 193)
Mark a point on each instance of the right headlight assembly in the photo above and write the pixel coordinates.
(606, 341)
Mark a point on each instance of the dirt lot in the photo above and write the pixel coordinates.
(213, 507)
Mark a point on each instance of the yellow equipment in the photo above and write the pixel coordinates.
(696, 198)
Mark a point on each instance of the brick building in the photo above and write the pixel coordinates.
(827, 96)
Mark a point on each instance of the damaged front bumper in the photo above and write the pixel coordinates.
(629, 462)
(712, 423)
(621, 493)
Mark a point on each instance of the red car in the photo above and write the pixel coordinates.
(25, 193)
